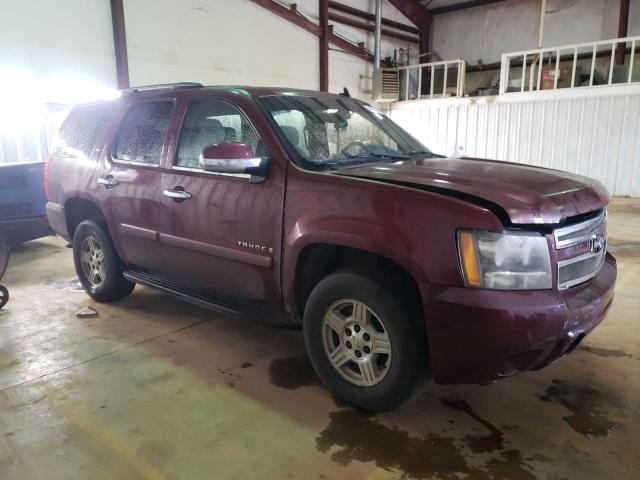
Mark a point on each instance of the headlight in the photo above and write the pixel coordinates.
(504, 261)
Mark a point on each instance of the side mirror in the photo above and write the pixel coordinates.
(229, 158)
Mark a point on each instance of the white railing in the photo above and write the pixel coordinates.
(535, 59)
(430, 80)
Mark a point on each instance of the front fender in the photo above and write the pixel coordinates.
(346, 232)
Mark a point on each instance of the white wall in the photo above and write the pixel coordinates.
(58, 38)
(210, 41)
(239, 42)
(593, 132)
(487, 32)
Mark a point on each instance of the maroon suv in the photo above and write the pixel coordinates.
(312, 209)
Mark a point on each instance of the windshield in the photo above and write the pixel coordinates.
(334, 132)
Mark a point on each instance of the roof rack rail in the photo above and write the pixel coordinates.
(162, 86)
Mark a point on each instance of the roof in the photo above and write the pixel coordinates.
(238, 89)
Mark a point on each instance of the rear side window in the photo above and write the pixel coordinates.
(209, 122)
(142, 133)
(81, 130)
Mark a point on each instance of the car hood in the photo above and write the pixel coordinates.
(526, 194)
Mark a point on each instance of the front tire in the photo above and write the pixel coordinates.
(98, 265)
(366, 340)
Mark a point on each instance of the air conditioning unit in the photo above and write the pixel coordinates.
(386, 85)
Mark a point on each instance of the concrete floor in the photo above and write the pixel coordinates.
(154, 388)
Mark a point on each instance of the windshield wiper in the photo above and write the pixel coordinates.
(380, 156)
(360, 159)
(355, 161)
(425, 153)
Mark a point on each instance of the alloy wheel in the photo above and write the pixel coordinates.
(356, 342)
(92, 260)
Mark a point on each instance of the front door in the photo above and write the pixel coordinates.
(222, 232)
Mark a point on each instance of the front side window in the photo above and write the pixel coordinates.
(331, 132)
(211, 122)
(143, 132)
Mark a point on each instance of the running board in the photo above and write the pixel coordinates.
(257, 310)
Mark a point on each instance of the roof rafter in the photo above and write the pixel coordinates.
(291, 15)
(462, 6)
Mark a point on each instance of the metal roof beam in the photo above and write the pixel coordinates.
(462, 6)
(292, 16)
(340, 7)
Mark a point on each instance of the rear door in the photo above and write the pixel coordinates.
(226, 237)
(130, 179)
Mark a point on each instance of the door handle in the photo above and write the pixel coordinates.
(177, 194)
(108, 182)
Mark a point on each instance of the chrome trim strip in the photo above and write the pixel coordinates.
(222, 165)
(580, 258)
(588, 227)
(132, 162)
(199, 170)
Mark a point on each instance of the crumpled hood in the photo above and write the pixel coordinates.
(528, 195)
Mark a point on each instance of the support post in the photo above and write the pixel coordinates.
(324, 45)
(623, 24)
(423, 48)
(543, 14)
(378, 33)
(120, 44)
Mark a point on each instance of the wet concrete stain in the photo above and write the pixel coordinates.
(605, 352)
(478, 443)
(588, 405)
(159, 378)
(356, 436)
(293, 372)
(231, 376)
(159, 453)
(144, 308)
(72, 284)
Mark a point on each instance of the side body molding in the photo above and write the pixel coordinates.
(234, 254)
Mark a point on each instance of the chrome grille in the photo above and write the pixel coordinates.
(587, 265)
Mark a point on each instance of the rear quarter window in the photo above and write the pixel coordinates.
(81, 131)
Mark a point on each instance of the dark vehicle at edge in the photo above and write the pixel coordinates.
(22, 202)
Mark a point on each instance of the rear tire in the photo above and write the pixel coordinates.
(4, 296)
(98, 265)
(366, 340)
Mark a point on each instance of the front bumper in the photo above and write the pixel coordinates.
(478, 336)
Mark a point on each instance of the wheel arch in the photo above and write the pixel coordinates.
(78, 209)
(316, 260)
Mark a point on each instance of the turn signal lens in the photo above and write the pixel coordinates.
(469, 258)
